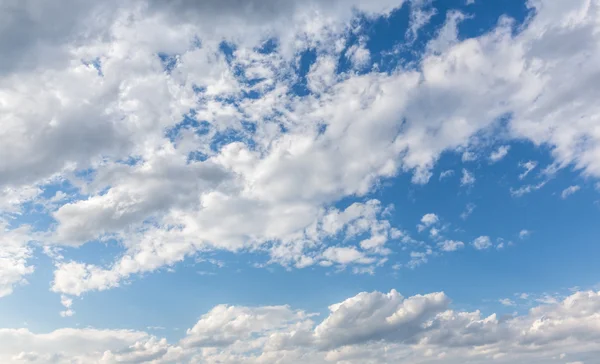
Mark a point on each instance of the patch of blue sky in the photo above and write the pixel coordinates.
(96, 63)
(269, 46)
(306, 59)
(500, 215)
(35, 298)
(168, 61)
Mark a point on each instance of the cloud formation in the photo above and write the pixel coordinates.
(170, 134)
(371, 326)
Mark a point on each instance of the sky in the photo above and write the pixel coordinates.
(321, 181)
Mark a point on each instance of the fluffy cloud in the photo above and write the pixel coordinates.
(499, 154)
(370, 327)
(14, 257)
(524, 234)
(175, 145)
(467, 178)
(482, 243)
(451, 245)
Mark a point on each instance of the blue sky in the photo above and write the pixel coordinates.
(288, 182)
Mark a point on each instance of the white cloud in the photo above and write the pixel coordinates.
(482, 243)
(428, 220)
(446, 174)
(67, 303)
(345, 255)
(467, 179)
(359, 55)
(468, 211)
(499, 154)
(506, 302)
(421, 13)
(569, 191)
(267, 187)
(528, 166)
(418, 258)
(451, 245)
(14, 257)
(521, 191)
(468, 156)
(416, 329)
(524, 234)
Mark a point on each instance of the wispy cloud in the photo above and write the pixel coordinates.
(569, 191)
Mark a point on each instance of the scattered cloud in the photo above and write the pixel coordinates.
(446, 174)
(451, 245)
(521, 191)
(569, 191)
(468, 211)
(355, 330)
(427, 220)
(499, 154)
(524, 234)
(468, 156)
(467, 179)
(482, 243)
(528, 166)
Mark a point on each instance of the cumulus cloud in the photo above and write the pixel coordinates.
(524, 233)
(482, 243)
(15, 257)
(451, 245)
(506, 302)
(416, 329)
(521, 191)
(175, 146)
(428, 220)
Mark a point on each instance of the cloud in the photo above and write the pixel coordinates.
(482, 243)
(569, 191)
(506, 302)
(528, 166)
(521, 191)
(151, 250)
(420, 15)
(170, 161)
(67, 303)
(468, 211)
(451, 245)
(428, 220)
(344, 255)
(524, 234)
(446, 174)
(467, 178)
(499, 154)
(468, 156)
(14, 257)
(416, 329)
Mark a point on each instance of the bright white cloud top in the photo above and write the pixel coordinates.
(146, 137)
